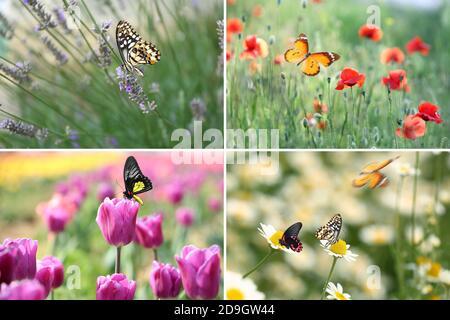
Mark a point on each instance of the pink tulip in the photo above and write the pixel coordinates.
(185, 216)
(117, 220)
(105, 190)
(115, 287)
(58, 212)
(17, 259)
(175, 192)
(200, 271)
(149, 231)
(165, 280)
(23, 290)
(50, 273)
(214, 204)
(56, 219)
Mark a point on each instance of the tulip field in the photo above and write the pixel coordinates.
(67, 231)
(393, 241)
(386, 85)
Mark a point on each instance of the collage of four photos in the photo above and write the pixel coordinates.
(224, 150)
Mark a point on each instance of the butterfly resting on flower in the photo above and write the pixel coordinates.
(133, 50)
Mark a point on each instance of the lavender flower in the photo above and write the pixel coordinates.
(61, 18)
(104, 55)
(129, 83)
(6, 30)
(19, 72)
(45, 19)
(24, 129)
(198, 108)
(58, 54)
(220, 34)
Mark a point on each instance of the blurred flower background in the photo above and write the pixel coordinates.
(61, 85)
(311, 187)
(53, 197)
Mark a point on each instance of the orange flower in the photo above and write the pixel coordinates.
(397, 80)
(322, 125)
(257, 11)
(254, 47)
(413, 127)
(371, 32)
(231, 2)
(349, 78)
(417, 45)
(254, 68)
(279, 59)
(392, 55)
(319, 107)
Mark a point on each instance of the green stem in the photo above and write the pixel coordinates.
(155, 254)
(398, 243)
(267, 256)
(329, 277)
(117, 269)
(413, 208)
(52, 294)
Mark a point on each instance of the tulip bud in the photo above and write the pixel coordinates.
(214, 204)
(175, 192)
(200, 271)
(115, 287)
(149, 231)
(17, 259)
(50, 273)
(23, 290)
(185, 216)
(165, 280)
(117, 220)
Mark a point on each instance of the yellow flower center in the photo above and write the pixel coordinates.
(379, 237)
(339, 247)
(422, 260)
(340, 296)
(435, 297)
(435, 270)
(275, 238)
(235, 294)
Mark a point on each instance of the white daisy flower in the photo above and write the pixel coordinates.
(377, 234)
(336, 292)
(273, 237)
(339, 250)
(237, 288)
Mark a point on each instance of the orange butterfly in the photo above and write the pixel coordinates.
(300, 53)
(371, 176)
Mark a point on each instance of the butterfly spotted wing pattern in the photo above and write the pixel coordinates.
(330, 231)
(311, 61)
(290, 238)
(371, 177)
(133, 50)
(135, 181)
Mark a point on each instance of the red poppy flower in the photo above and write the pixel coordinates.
(229, 55)
(254, 47)
(234, 25)
(417, 45)
(257, 11)
(371, 32)
(279, 59)
(349, 78)
(392, 55)
(413, 127)
(397, 80)
(429, 112)
(319, 107)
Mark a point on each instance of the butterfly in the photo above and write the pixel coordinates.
(290, 238)
(331, 230)
(371, 176)
(133, 50)
(311, 61)
(135, 181)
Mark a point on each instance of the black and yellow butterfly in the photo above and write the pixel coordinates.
(330, 231)
(133, 50)
(371, 176)
(135, 181)
(311, 61)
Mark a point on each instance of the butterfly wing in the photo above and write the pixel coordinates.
(310, 67)
(372, 180)
(135, 181)
(331, 230)
(325, 58)
(290, 237)
(298, 53)
(126, 38)
(376, 166)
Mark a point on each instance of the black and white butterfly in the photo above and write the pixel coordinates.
(290, 238)
(133, 50)
(330, 231)
(135, 181)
